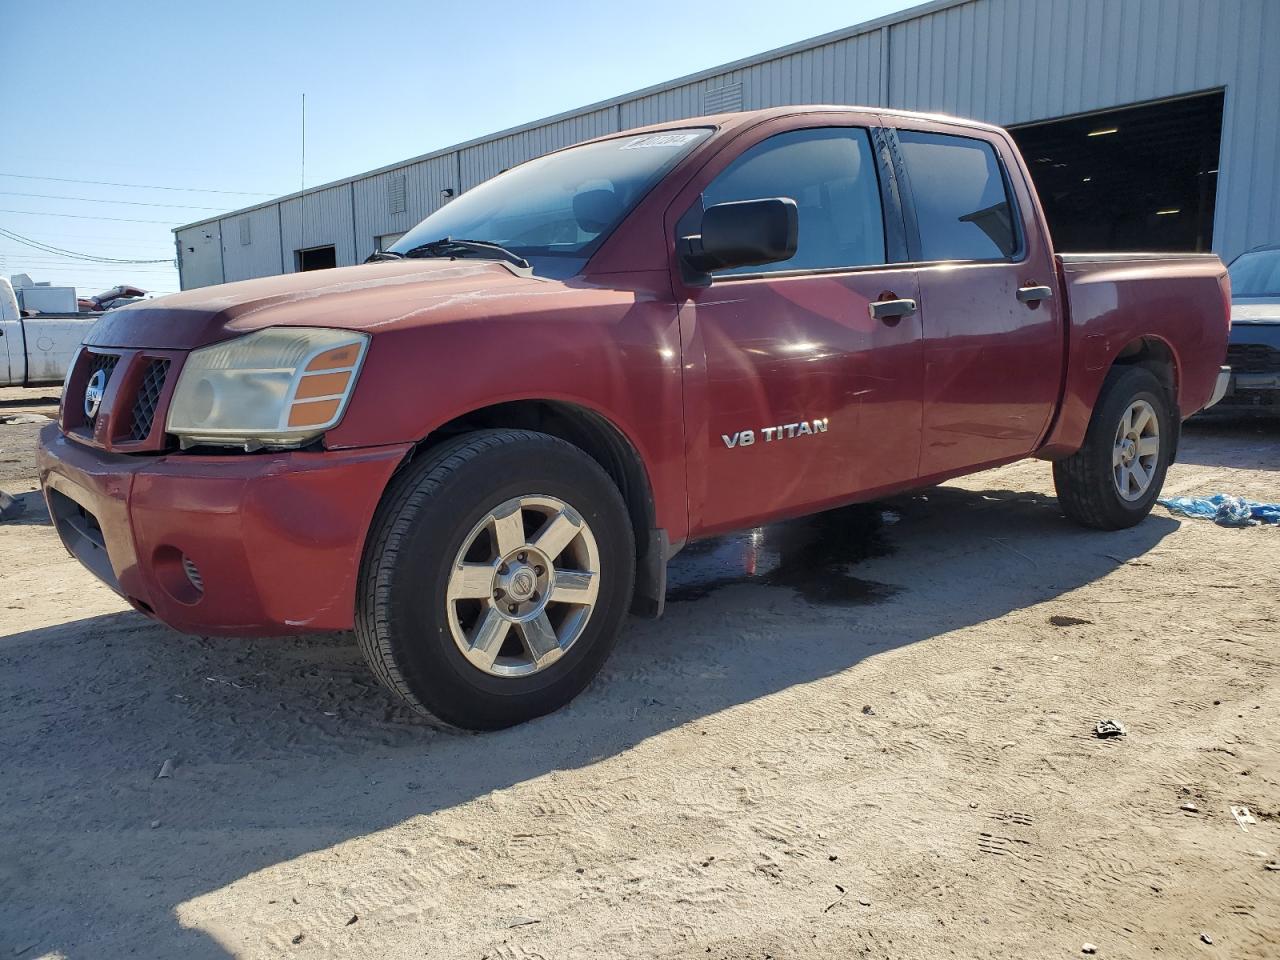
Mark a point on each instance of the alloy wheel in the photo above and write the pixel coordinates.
(1137, 450)
(523, 586)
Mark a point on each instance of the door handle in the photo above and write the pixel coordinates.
(888, 309)
(1034, 294)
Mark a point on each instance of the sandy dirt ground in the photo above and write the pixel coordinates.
(843, 740)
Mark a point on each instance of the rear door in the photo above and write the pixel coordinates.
(989, 297)
(796, 398)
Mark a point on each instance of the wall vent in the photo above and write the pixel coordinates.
(396, 193)
(724, 99)
(244, 231)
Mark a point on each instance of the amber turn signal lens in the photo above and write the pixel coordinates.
(335, 359)
(322, 385)
(314, 413)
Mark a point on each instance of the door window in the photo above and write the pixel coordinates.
(962, 205)
(831, 175)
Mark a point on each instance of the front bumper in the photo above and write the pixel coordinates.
(239, 544)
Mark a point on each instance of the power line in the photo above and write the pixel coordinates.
(58, 263)
(40, 254)
(61, 263)
(81, 264)
(74, 254)
(77, 262)
(146, 236)
(141, 236)
(132, 203)
(150, 251)
(150, 238)
(88, 277)
(85, 216)
(142, 186)
(147, 254)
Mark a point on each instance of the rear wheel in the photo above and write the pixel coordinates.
(496, 579)
(1113, 480)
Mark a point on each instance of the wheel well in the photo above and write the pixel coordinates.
(599, 439)
(1155, 355)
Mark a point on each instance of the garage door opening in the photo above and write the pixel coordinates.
(1137, 178)
(317, 258)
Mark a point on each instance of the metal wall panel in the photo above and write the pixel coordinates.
(200, 255)
(423, 182)
(485, 160)
(1004, 61)
(260, 257)
(844, 72)
(1013, 61)
(1016, 61)
(1248, 211)
(318, 219)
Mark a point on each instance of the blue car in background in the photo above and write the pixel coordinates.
(1253, 351)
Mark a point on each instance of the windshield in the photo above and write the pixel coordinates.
(1256, 274)
(556, 210)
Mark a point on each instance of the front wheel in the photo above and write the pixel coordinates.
(496, 579)
(1113, 480)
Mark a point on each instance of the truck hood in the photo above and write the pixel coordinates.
(1255, 310)
(355, 298)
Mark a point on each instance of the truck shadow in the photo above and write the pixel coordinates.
(281, 748)
(1221, 440)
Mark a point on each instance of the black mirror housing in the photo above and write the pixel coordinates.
(743, 233)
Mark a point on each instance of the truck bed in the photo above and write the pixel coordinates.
(1113, 302)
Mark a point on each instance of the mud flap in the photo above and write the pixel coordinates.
(650, 596)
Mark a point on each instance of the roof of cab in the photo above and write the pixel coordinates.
(751, 117)
(721, 121)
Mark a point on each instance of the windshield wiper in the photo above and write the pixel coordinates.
(383, 255)
(449, 247)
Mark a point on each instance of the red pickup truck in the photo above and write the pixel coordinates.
(480, 450)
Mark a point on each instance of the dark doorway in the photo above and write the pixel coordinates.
(317, 258)
(1137, 178)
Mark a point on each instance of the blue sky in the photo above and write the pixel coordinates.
(207, 95)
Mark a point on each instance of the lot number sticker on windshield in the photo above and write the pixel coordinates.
(659, 140)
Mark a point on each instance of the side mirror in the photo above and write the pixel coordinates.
(742, 234)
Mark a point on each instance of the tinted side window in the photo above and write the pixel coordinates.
(831, 175)
(962, 207)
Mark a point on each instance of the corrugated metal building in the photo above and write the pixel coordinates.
(1196, 81)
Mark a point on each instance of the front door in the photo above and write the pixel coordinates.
(797, 398)
(992, 335)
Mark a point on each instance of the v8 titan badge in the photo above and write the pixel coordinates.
(785, 431)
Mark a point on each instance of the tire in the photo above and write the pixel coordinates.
(1089, 481)
(424, 634)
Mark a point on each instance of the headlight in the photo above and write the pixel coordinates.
(279, 387)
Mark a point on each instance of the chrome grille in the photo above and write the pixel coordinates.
(147, 398)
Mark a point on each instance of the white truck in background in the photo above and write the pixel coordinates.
(36, 350)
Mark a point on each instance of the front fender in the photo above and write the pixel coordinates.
(613, 351)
